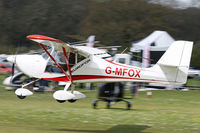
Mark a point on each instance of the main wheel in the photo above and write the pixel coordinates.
(72, 100)
(21, 97)
(61, 101)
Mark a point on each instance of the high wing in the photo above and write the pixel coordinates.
(58, 44)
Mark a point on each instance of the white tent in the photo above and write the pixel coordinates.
(158, 40)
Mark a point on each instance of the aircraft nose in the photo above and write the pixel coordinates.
(12, 59)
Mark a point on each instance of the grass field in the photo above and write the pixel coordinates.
(166, 111)
(193, 83)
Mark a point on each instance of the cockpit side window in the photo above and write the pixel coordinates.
(73, 58)
(80, 58)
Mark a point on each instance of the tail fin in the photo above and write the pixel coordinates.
(174, 64)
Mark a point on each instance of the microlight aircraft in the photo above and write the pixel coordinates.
(82, 64)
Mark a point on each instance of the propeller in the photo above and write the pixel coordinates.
(13, 69)
(12, 59)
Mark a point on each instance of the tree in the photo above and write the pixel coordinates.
(118, 22)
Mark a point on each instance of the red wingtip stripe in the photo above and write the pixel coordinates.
(40, 37)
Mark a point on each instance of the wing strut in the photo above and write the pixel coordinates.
(67, 61)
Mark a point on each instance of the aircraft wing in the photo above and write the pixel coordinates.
(48, 41)
(93, 51)
(58, 44)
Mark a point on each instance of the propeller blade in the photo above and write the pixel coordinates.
(13, 69)
(12, 59)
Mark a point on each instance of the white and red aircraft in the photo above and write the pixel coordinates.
(82, 64)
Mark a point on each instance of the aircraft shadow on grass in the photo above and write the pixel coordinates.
(115, 129)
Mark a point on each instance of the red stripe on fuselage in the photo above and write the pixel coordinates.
(64, 79)
(86, 77)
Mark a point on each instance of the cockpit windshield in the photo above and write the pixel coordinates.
(45, 55)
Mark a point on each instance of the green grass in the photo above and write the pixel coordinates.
(166, 111)
(193, 83)
(2, 77)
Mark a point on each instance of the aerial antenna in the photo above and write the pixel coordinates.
(121, 53)
(140, 57)
(124, 50)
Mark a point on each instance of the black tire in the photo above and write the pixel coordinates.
(61, 101)
(72, 100)
(94, 105)
(21, 97)
(129, 106)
